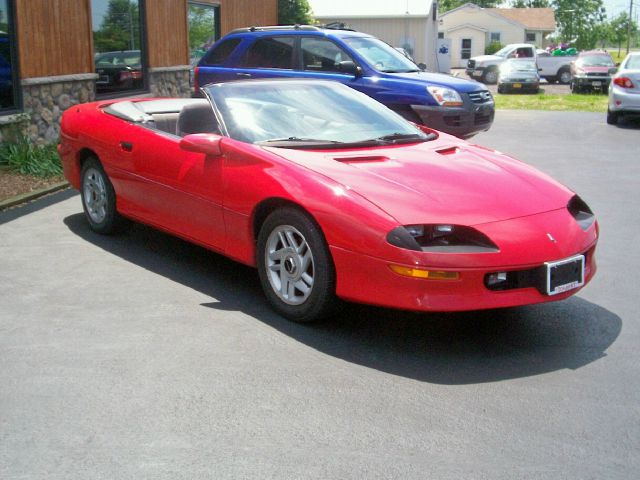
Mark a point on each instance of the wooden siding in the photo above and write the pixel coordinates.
(54, 37)
(167, 39)
(246, 13)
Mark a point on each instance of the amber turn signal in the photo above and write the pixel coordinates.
(422, 273)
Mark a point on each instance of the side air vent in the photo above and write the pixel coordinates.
(361, 159)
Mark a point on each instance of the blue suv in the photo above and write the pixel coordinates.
(360, 61)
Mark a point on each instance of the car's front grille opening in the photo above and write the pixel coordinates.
(453, 121)
(480, 97)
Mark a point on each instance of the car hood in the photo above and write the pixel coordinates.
(440, 79)
(487, 58)
(604, 70)
(438, 182)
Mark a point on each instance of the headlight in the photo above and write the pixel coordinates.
(445, 97)
(441, 239)
(581, 212)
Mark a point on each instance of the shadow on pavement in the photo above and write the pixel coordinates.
(629, 123)
(451, 349)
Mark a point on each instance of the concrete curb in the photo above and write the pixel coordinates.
(27, 197)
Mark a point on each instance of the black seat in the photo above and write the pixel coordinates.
(196, 118)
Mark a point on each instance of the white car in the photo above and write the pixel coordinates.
(624, 89)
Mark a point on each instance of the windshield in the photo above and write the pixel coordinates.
(307, 114)
(383, 57)
(503, 51)
(595, 61)
(519, 66)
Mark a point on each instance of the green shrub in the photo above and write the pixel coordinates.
(24, 157)
(492, 48)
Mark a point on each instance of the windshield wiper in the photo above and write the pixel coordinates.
(296, 140)
(400, 137)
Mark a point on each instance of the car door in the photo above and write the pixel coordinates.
(176, 190)
(266, 57)
(215, 66)
(322, 59)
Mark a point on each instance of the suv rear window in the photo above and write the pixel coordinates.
(272, 52)
(218, 55)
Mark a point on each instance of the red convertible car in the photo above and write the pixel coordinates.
(331, 195)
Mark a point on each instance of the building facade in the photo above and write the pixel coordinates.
(410, 24)
(56, 53)
(472, 28)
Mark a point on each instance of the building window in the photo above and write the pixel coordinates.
(204, 29)
(8, 58)
(530, 37)
(441, 35)
(495, 37)
(119, 50)
(465, 50)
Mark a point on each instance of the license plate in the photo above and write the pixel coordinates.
(103, 79)
(565, 275)
(517, 85)
(596, 84)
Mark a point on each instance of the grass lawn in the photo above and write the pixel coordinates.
(582, 102)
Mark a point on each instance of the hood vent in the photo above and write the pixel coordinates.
(448, 151)
(362, 159)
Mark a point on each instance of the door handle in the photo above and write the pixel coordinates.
(243, 75)
(126, 146)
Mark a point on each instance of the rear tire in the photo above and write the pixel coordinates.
(99, 199)
(564, 76)
(295, 266)
(612, 117)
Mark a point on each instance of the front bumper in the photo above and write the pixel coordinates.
(601, 82)
(519, 86)
(475, 72)
(463, 122)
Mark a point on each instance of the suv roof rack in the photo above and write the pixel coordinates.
(337, 26)
(276, 27)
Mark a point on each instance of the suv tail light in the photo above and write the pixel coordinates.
(196, 84)
(624, 82)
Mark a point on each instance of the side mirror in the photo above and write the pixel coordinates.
(422, 66)
(207, 143)
(350, 68)
(613, 70)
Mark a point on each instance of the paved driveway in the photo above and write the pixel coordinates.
(141, 356)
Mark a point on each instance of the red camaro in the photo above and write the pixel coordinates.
(331, 195)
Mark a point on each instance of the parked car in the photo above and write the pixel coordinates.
(519, 75)
(330, 194)
(358, 60)
(592, 71)
(551, 68)
(121, 70)
(624, 89)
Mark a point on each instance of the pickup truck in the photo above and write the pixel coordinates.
(553, 69)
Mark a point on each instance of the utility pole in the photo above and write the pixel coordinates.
(629, 25)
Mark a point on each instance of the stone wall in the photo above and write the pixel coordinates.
(170, 81)
(44, 99)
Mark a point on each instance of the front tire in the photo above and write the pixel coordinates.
(99, 199)
(295, 266)
(490, 76)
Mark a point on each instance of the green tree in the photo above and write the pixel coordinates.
(619, 29)
(530, 3)
(446, 5)
(120, 27)
(578, 21)
(201, 28)
(291, 12)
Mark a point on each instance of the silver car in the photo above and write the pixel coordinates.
(624, 89)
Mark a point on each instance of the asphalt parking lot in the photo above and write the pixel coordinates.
(141, 356)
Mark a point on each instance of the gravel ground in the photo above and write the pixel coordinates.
(12, 184)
